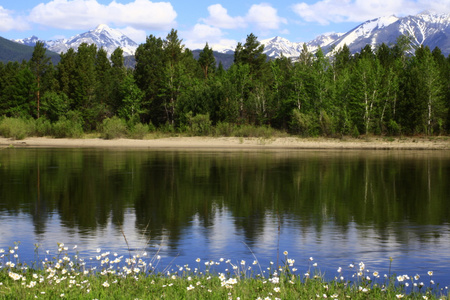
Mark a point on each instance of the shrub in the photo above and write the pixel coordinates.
(42, 127)
(394, 128)
(303, 124)
(114, 128)
(199, 124)
(139, 131)
(355, 132)
(224, 129)
(67, 128)
(15, 128)
(326, 124)
(254, 131)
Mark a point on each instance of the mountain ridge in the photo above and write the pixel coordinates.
(426, 28)
(103, 36)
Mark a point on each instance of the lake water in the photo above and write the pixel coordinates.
(339, 207)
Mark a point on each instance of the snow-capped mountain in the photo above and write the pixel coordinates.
(31, 41)
(277, 46)
(432, 30)
(429, 29)
(102, 36)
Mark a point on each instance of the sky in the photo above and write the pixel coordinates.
(220, 23)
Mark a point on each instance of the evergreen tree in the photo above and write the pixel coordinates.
(103, 76)
(66, 73)
(173, 75)
(306, 57)
(207, 61)
(251, 53)
(18, 90)
(117, 75)
(85, 99)
(149, 74)
(39, 64)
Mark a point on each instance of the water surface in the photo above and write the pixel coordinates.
(339, 207)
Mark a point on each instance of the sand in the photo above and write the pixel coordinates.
(232, 143)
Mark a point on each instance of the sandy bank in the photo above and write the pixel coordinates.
(230, 143)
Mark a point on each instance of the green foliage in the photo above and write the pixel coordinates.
(130, 107)
(11, 51)
(303, 124)
(254, 131)
(139, 131)
(42, 127)
(68, 127)
(199, 124)
(371, 91)
(15, 128)
(142, 280)
(355, 132)
(54, 105)
(207, 61)
(114, 128)
(224, 129)
(394, 128)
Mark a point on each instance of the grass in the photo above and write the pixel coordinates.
(65, 275)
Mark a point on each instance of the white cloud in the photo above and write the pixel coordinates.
(337, 11)
(201, 34)
(136, 35)
(264, 17)
(86, 14)
(9, 22)
(440, 6)
(218, 17)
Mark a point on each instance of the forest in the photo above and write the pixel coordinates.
(390, 90)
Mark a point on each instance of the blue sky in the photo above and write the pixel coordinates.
(216, 22)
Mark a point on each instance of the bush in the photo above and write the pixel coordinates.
(326, 124)
(114, 128)
(67, 128)
(139, 131)
(355, 132)
(224, 129)
(199, 124)
(303, 124)
(394, 128)
(254, 131)
(42, 127)
(15, 128)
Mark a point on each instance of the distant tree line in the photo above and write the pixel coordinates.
(383, 91)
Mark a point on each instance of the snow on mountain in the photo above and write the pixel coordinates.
(323, 41)
(432, 30)
(102, 36)
(31, 41)
(429, 29)
(365, 31)
(277, 46)
(223, 49)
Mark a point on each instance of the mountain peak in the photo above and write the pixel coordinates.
(103, 36)
(102, 27)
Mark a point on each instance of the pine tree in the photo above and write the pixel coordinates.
(39, 64)
(207, 61)
(149, 75)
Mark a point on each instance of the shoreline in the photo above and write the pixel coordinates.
(236, 143)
